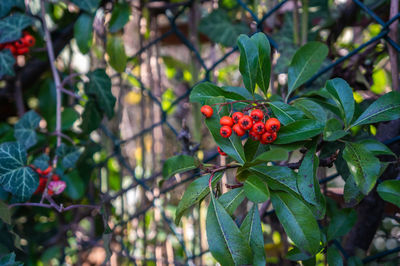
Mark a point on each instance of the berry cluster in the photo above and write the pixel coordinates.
(56, 185)
(21, 46)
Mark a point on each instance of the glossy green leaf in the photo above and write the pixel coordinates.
(333, 130)
(277, 154)
(68, 117)
(250, 148)
(386, 108)
(7, 62)
(341, 223)
(306, 61)
(194, 193)
(295, 254)
(232, 199)
(333, 256)
(363, 165)
(205, 91)
(68, 155)
(277, 177)
(376, 147)
(11, 27)
(5, 214)
(351, 193)
(83, 32)
(226, 242)
(91, 117)
(251, 229)
(219, 28)
(311, 109)
(116, 53)
(119, 16)
(297, 220)
(264, 60)
(342, 94)
(24, 129)
(299, 130)
(389, 191)
(286, 113)
(248, 62)
(255, 189)
(15, 177)
(242, 92)
(99, 86)
(87, 5)
(178, 164)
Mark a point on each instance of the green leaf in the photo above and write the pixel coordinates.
(7, 5)
(376, 147)
(232, 145)
(333, 130)
(311, 109)
(341, 223)
(333, 256)
(297, 220)
(389, 191)
(7, 62)
(351, 193)
(68, 117)
(75, 185)
(220, 29)
(24, 129)
(87, 5)
(299, 130)
(306, 61)
(363, 165)
(83, 32)
(251, 229)
(194, 193)
(277, 154)
(206, 91)
(42, 162)
(255, 189)
(286, 113)
(9, 260)
(342, 94)
(15, 177)
(232, 199)
(242, 92)
(178, 164)
(11, 27)
(295, 254)
(5, 214)
(264, 60)
(100, 87)
(386, 108)
(69, 155)
(119, 16)
(250, 148)
(226, 242)
(248, 62)
(91, 117)
(116, 53)
(277, 177)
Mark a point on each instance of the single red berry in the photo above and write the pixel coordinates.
(220, 151)
(206, 110)
(225, 131)
(236, 116)
(238, 130)
(272, 125)
(254, 136)
(268, 137)
(226, 121)
(246, 122)
(28, 40)
(257, 115)
(19, 44)
(258, 127)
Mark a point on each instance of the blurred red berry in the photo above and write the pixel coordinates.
(254, 136)
(225, 131)
(257, 115)
(206, 110)
(236, 116)
(226, 121)
(246, 122)
(272, 125)
(220, 151)
(258, 127)
(268, 137)
(238, 130)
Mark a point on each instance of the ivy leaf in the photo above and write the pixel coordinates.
(226, 242)
(116, 53)
(119, 16)
(7, 62)
(24, 129)
(87, 5)
(389, 191)
(286, 113)
(264, 60)
(11, 27)
(69, 155)
(311, 109)
(220, 29)
(333, 130)
(248, 62)
(305, 62)
(342, 94)
(376, 147)
(9, 260)
(363, 165)
(178, 164)
(386, 108)
(206, 91)
(251, 229)
(99, 86)
(297, 220)
(42, 162)
(255, 189)
(5, 214)
(7, 5)
(91, 117)
(232, 199)
(299, 130)
(15, 177)
(83, 32)
(342, 222)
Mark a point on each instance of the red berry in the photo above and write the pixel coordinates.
(238, 130)
(42, 185)
(22, 50)
(28, 40)
(225, 131)
(206, 110)
(254, 136)
(268, 137)
(226, 121)
(44, 172)
(236, 116)
(257, 115)
(258, 127)
(220, 151)
(272, 125)
(246, 122)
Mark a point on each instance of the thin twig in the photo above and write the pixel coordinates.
(394, 10)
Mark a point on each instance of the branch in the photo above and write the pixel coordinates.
(326, 162)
